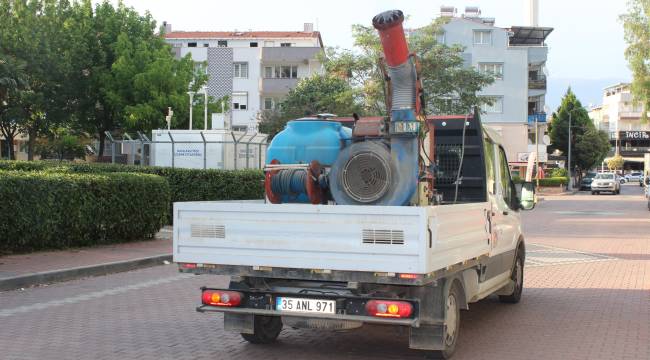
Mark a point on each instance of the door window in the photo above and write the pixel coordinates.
(504, 177)
(490, 166)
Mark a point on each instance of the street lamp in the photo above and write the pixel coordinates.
(191, 94)
(570, 185)
(205, 108)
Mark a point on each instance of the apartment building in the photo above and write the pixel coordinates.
(255, 68)
(620, 117)
(517, 57)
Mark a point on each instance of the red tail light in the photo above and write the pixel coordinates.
(386, 308)
(221, 298)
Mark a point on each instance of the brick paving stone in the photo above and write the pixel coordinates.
(576, 310)
(23, 264)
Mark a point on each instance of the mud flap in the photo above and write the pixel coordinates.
(241, 323)
(427, 337)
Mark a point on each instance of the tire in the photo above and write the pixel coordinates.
(452, 320)
(593, 193)
(266, 330)
(517, 276)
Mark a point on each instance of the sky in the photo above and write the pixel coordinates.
(585, 48)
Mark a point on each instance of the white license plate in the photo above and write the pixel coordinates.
(305, 305)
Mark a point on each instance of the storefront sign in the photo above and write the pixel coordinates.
(523, 157)
(634, 135)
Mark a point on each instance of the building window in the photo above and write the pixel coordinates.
(281, 72)
(268, 72)
(268, 103)
(285, 44)
(482, 37)
(496, 69)
(240, 70)
(253, 44)
(191, 44)
(206, 45)
(240, 100)
(222, 43)
(496, 107)
(440, 37)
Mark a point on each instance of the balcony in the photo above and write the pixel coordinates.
(537, 83)
(537, 117)
(277, 86)
(289, 54)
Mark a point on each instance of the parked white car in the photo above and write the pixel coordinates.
(635, 176)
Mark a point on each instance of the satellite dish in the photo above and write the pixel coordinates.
(546, 140)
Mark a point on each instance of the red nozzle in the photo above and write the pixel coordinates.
(391, 32)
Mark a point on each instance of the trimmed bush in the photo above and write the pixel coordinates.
(44, 210)
(559, 172)
(553, 181)
(184, 184)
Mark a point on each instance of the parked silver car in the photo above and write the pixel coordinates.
(606, 182)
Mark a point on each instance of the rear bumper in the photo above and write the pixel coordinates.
(364, 319)
(603, 188)
(348, 307)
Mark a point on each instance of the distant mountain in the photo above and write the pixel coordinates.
(588, 91)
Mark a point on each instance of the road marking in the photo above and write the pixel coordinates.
(542, 255)
(90, 296)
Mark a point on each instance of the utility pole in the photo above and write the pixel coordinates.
(191, 94)
(536, 152)
(205, 108)
(570, 186)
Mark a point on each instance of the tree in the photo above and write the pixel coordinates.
(12, 80)
(591, 148)
(34, 32)
(314, 95)
(580, 125)
(615, 163)
(449, 86)
(127, 75)
(637, 35)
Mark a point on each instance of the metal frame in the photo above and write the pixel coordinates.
(247, 139)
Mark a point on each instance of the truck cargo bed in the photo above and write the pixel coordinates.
(397, 239)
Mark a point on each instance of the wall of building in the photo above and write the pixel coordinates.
(249, 85)
(513, 88)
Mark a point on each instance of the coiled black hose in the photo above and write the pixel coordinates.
(288, 182)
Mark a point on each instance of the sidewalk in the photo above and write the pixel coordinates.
(25, 270)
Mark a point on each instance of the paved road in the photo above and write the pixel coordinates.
(587, 296)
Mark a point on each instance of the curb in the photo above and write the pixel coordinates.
(47, 277)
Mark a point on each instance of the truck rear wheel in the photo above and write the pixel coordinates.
(452, 324)
(266, 330)
(518, 277)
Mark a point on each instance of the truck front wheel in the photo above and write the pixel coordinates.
(266, 330)
(518, 278)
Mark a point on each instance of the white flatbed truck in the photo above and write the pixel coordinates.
(342, 266)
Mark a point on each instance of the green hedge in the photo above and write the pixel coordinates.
(42, 210)
(185, 184)
(552, 181)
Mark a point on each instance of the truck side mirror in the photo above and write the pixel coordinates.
(527, 198)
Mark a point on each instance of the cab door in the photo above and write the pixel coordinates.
(506, 219)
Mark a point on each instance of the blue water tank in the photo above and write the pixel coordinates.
(304, 140)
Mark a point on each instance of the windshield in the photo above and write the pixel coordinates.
(605, 176)
(590, 175)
